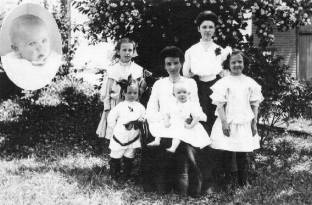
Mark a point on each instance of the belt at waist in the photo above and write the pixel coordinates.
(207, 78)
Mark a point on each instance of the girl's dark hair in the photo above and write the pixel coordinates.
(226, 63)
(171, 51)
(206, 16)
(118, 45)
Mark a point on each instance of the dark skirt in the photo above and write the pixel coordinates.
(209, 158)
(163, 171)
(204, 92)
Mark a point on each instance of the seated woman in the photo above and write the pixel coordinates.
(177, 121)
(161, 168)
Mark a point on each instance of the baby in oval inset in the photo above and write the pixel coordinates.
(32, 59)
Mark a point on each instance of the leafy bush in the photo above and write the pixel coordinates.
(284, 97)
(66, 111)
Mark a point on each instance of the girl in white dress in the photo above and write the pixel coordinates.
(118, 72)
(177, 121)
(123, 124)
(237, 98)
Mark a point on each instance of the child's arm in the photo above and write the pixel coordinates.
(255, 108)
(113, 117)
(106, 94)
(255, 99)
(225, 125)
(142, 86)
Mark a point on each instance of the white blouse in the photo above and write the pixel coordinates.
(204, 61)
(238, 93)
(121, 71)
(118, 71)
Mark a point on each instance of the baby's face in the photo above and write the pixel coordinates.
(181, 94)
(34, 44)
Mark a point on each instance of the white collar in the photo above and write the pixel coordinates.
(27, 76)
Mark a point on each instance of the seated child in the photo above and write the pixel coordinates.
(123, 121)
(179, 123)
(32, 64)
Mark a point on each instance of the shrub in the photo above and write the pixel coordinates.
(66, 111)
(284, 97)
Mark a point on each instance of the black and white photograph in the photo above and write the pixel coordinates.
(106, 102)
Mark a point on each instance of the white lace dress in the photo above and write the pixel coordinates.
(162, 101)
(237, 93)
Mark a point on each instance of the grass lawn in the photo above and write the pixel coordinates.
(69, 174)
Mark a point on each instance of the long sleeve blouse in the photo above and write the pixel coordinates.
(205, 62)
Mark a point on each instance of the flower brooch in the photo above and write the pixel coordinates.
(218, 51)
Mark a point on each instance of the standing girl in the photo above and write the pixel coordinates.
(116, 73)
(123, 122)
(237, 98)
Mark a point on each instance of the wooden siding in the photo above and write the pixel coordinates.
(304, 54)
(286, 45)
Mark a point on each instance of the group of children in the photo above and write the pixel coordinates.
(236, 96)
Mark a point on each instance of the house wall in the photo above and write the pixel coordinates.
(286, 46)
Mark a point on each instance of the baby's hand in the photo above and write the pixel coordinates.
(226, 128)
(189, 120)
(194, 121)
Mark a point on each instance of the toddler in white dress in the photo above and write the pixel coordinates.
(178, 121)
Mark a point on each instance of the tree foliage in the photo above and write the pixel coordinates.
(156, 23)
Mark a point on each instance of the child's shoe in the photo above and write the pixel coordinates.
(114, 168)
(128, 163)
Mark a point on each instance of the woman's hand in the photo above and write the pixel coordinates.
(226, 128)
(254, 128)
